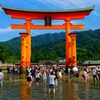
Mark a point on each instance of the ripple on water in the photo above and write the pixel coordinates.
(19, 90)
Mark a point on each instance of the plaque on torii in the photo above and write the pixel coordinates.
(48, 16)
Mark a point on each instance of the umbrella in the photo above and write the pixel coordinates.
(75, 69)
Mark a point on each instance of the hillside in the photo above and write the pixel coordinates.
(51, 46)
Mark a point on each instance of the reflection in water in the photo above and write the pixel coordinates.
(15, 89)
(86, 90)
(71, 91)
(26, 91)
(12, 76)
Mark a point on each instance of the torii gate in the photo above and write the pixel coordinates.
(48, 15)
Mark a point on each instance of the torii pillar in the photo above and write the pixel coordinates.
(68, 40)
(23, 61)
(28, 42)
(73, 49)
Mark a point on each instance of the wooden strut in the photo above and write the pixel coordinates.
(43, 27)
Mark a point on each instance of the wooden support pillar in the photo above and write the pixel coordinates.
(23, 51)
(73, 49)
(28, 42)
(67, 47)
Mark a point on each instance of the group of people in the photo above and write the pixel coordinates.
(49, 76)
(53, 75)
(14, 69)
(95, 74)
(73, 71)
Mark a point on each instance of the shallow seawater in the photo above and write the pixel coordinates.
(16, 89)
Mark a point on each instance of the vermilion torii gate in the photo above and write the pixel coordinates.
(47, 15)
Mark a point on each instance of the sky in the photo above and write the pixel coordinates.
(6, 33)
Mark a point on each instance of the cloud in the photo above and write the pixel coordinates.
(1, 9)
(96, 13)
(8, 29)
(94, 2)
(68, 3)
(60, 4)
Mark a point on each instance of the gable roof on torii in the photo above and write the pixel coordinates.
(72, 14)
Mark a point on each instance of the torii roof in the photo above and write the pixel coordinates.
(49, 11)
(41, 14)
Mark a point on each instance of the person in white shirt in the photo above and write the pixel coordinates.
(1, 77)
(44, 76)
(98, 72)
(38, 76)
(94, 73)
(87, 70)
(52, 82)
(29, 79)
(60, 75)
(85, 76)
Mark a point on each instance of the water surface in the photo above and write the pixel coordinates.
(16, 89)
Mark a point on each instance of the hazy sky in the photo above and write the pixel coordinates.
(91, 22)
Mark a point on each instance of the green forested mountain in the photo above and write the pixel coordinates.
(51, 46)
(88, 45)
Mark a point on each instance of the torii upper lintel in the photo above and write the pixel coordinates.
(73, 14)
